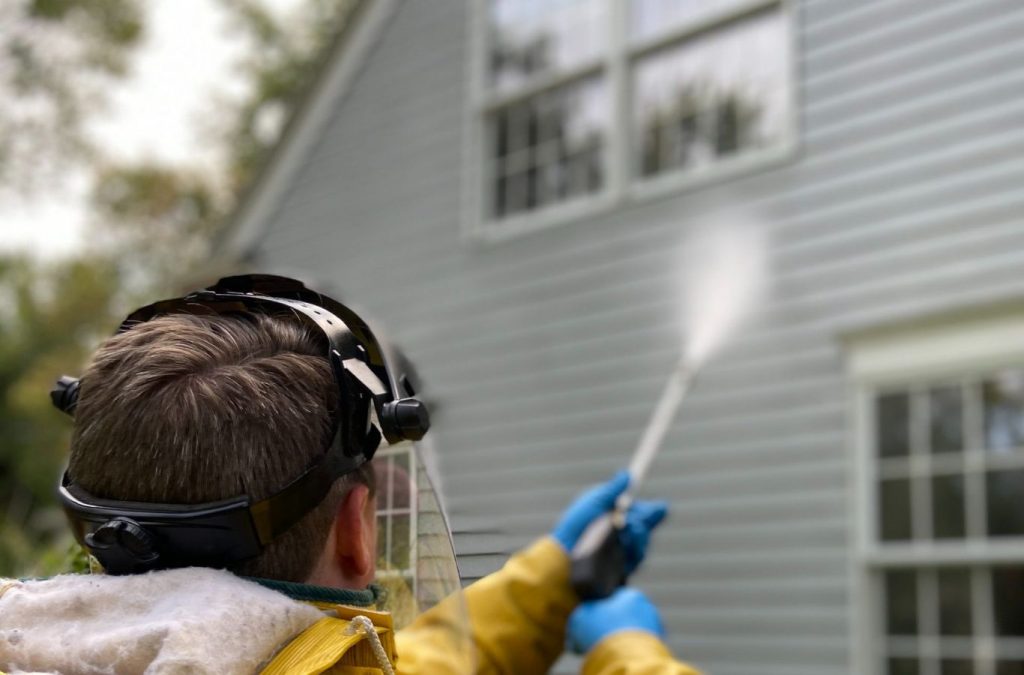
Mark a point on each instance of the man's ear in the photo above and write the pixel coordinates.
(354, 548)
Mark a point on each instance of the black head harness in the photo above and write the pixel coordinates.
(132, 537)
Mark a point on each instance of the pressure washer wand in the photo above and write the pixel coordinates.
(598, 560)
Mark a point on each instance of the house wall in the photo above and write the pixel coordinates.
(547, 351)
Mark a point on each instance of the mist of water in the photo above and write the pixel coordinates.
(725, 266)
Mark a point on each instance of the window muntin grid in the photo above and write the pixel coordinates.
(939, 619)
(943, 454)
(540, 54)
(950, 473)
(396, 491)
(549, 148)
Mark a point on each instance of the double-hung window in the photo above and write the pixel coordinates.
(941, 488)
(581, 104)
(396, 512)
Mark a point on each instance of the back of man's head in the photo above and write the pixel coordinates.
(186, 409)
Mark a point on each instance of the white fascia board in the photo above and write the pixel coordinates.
(252, 216)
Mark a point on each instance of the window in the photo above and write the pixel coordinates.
(942, 452)
(583, 103)
(396, 526)
(416, 566)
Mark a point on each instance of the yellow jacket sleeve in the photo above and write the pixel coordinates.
(633, 653)
(516, 617)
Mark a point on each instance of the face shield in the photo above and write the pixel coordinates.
(417, 570)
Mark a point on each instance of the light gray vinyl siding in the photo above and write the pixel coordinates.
(548, 351)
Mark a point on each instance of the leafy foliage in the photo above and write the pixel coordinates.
(52, 315)
(56, 59)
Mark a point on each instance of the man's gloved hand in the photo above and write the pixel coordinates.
(642, 518)
(625, 609)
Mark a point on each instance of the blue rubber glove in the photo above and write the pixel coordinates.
(626, 609)
(642, 518)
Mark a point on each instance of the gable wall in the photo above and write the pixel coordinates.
(548, 351)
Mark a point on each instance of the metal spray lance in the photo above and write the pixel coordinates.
(598, 560)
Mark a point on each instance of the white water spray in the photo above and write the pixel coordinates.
(725, 274)
(725, 277)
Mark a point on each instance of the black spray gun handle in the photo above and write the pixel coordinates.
(599, 558)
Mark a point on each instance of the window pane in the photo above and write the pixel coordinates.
(895, 509)
(901, 602)
(955, 602)
(715, 95)
(1007, 595)
(400, 542)
(892, 412)
(946, 419)
(956, 667)
(948, 520)
(1004, 411)
(536, 37)
(903, 667)
(382, 540)
(402, 482)
(549, 148)
(650, 18)
(1005, 503)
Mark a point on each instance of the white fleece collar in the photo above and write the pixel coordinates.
(172, 622)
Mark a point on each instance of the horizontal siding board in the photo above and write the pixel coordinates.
(886, 54)
(687, 487)
(986, 55)
(835, 45)
(742, 593)
(842, 17)
(903, 114)
(756, 455)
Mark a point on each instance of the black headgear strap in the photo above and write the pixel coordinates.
(130, 537)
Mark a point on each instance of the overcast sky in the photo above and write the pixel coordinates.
(187, 56)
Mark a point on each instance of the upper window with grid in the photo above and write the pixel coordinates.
(396, 529)
(584, 98)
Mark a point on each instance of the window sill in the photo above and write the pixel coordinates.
(661, 187)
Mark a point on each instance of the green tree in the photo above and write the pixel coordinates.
(52, 315)
(57, 57)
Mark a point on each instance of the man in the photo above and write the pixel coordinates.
(233, 429)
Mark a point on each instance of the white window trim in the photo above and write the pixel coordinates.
(621, 188)
(983, 340)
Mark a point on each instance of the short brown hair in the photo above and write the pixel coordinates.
(186, 409)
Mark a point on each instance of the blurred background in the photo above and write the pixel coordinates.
(512, 189)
